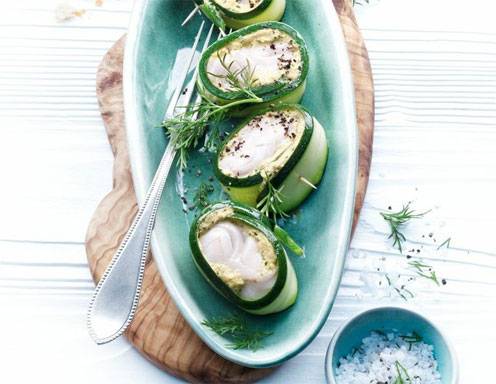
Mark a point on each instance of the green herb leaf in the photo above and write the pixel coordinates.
(236, 328)
(402, 374)
(213, 14)
(360, 2)
(288, 241)
(445, 242)
(270, 204)
(412, 339)
(397, 220)
(424, 270)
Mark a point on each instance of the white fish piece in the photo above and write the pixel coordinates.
(270, 54)
(231, 246)
(239, 5)
(266, 139)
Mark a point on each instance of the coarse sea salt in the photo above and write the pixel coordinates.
(389, 358)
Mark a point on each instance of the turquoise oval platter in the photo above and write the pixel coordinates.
(155, 51)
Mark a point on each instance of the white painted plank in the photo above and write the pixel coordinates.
(434, 144)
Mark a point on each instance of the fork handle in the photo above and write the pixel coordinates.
(116, 296)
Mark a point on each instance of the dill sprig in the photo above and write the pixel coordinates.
(402, 374)
(237, 329)
(424, 270)
(201, 199)
(397, 220)
(187, 128)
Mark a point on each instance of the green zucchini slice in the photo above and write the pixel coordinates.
(235, 249)
(282, 144)
(241, 13)
(272, 55)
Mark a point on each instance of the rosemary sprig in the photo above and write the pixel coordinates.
(186, 129)
(237, 329)
(212, 139)
(201, 199)
(270, 204)
(424, 270)
(402, 373)
(240, 80)
(397, 220)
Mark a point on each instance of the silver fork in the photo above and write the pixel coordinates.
(116, 296)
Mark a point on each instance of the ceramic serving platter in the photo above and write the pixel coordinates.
(155, 52)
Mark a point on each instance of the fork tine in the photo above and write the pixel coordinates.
(175, 97)
(191, 14)
(185, 97)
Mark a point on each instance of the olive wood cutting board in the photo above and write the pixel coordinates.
(158, 330)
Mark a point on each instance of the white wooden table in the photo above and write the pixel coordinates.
(434, 65)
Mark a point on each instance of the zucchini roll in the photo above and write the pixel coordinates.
(282, 145)
(269, 60)
(235, 249)
(241, 13)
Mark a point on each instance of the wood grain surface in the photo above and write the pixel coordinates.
(158, 330)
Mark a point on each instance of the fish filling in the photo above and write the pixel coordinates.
(240, 6)
(263, 57)
(264, 145)
(241, 256)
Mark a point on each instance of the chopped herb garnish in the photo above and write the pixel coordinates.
(424, 270)
(397, 220)
(359, 2)
(237, 330)
(401, 292)
(445, 242)
(201, 199)
(412, 339)
(388, 279)
(403, 376)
